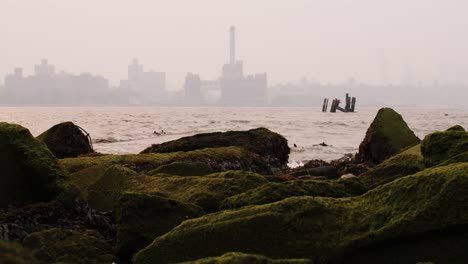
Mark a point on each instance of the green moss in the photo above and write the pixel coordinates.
(217, 159)
(241, 258)
(183, 169)
(387, 135)
(104, 193)
(408, 162)
(12, 253)
(67, 246)
(261, 141)
(440, 146)
(326, 229)
(273, 192)
(142, 217)
(29, 171)
(205, 191)
(66, 140)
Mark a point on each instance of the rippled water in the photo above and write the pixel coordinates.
(130, 129)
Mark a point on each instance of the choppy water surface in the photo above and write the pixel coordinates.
(130, 129)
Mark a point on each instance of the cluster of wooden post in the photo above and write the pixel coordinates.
(349, 108)
(325, 105)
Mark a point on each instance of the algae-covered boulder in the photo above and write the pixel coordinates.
(242, 258)
(216, 159)
(12, 253)
(387, 135)
(67, 246)
(28, 170)
(183, 169)
(142, 217)
(440, 146)
(272, 146)
(456, 128)
(407, 162)
(66, 140)
(273, 192)
(326, 230)
(208, 191)
(104, 193)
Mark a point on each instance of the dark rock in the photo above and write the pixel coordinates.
(66, 140)
(315, 164)
(271, 146)
(328, 172)
(241, 258)
(387, 135)
(12, 253)
(68, 246)
(28, 170)
(143, 217)
(17, 222)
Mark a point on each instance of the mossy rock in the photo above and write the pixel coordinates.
(217, 159)
(183, 169)
(12, 253)
(440, 146)
(273, 192)
(66, 140)
(387, 135)
(456, 128)
(67, 246)
(241, 258)
(409, 161)
(29, 171)
(205, 191)
(272, 146)
(104, 193)
(326, 230)
(142, 217)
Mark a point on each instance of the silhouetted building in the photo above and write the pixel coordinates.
(232, 88)
(237, 89)
(144, 88)
(46, 87)
(192, 88)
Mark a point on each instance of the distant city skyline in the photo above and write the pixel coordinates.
(327, 41)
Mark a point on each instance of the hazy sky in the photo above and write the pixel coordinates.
(325, 40)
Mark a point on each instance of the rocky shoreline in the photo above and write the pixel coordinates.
(198, 199)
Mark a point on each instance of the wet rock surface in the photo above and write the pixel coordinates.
(67, 140)
(272, 146)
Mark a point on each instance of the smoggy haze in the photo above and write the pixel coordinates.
(329, 41)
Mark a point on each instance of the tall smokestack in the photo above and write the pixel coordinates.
(233, 45)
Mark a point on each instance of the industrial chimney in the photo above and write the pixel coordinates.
(233, 45)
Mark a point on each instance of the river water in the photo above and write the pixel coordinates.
(130, 129)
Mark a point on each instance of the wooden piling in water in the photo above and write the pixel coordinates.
(348, 103)
(334, 105)
(353, 104)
